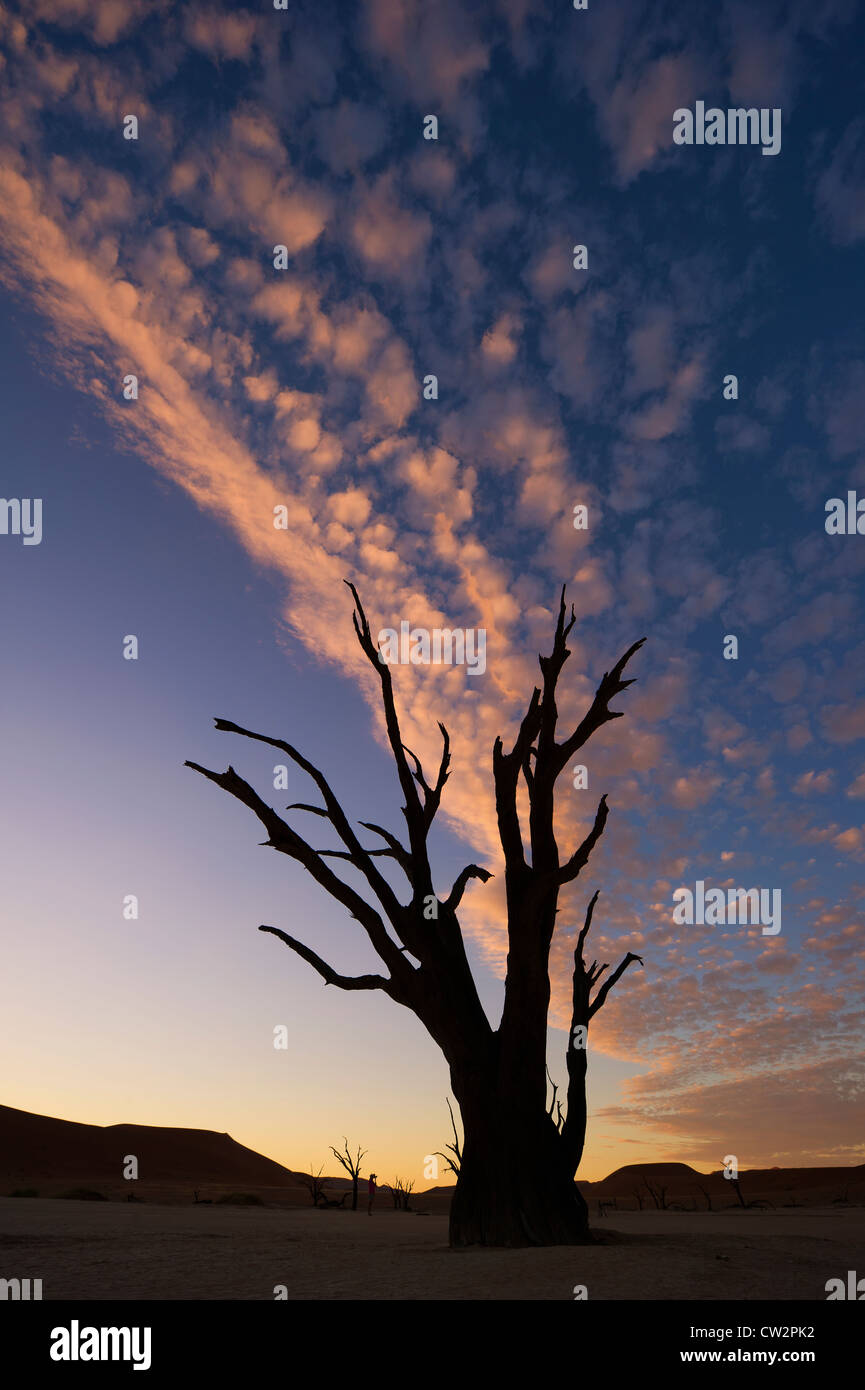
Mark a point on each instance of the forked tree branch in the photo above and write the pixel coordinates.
(335, 813)
(617, 974)
(287, 841)
(536, 740)
(351, 1165)
(400, 853)
(414, 811)
(584, 1009)
(441, 989)
(599, 712)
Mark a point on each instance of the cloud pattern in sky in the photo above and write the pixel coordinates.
(406, 257)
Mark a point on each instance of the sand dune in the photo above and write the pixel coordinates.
(48, 1154)
(677, 1184)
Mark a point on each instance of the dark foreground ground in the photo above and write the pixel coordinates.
(112, 1250)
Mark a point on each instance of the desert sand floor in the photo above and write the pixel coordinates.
(84, 1250)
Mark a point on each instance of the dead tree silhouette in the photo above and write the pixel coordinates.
(516, 1179)
(658, 1195)
(735, 1183)
(400, 1190)
(453, 1157)
(314, 1184)
(351, 1166)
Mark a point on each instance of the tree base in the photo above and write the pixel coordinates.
(517, 1199)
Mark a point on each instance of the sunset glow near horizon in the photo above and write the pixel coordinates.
(560, 386)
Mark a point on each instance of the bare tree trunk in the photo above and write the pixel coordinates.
(515, 1187)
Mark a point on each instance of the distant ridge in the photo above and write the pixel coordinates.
(659, 1170)
(36, 1148)
(54, 1156)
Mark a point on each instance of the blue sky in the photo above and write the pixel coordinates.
(302, 388)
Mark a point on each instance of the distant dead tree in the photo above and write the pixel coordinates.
(201, 1201)
(516, 1180)
(707, 1194)
(400, 1190)
(351, 1166)
(639, 1196)
(453, 1157)
(314, 1184)
(658, 1195)
(735, 1184)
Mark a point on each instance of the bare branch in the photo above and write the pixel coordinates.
(470, 871)
(432, 795)
(344, 854)
(617, 974)
(443, 775)
(506, 771)
(336, 814)
(551, 668)
(588, 922)
(580, 858)
(455, 1162)
(413, 810)
(328, 974)
(418, 771)
(574, 1129)
(400, 853)
(351, 1165)
(599, 712)
(287, 841)
(555, 1105)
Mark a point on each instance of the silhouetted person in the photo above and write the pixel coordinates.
(371, 1194)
